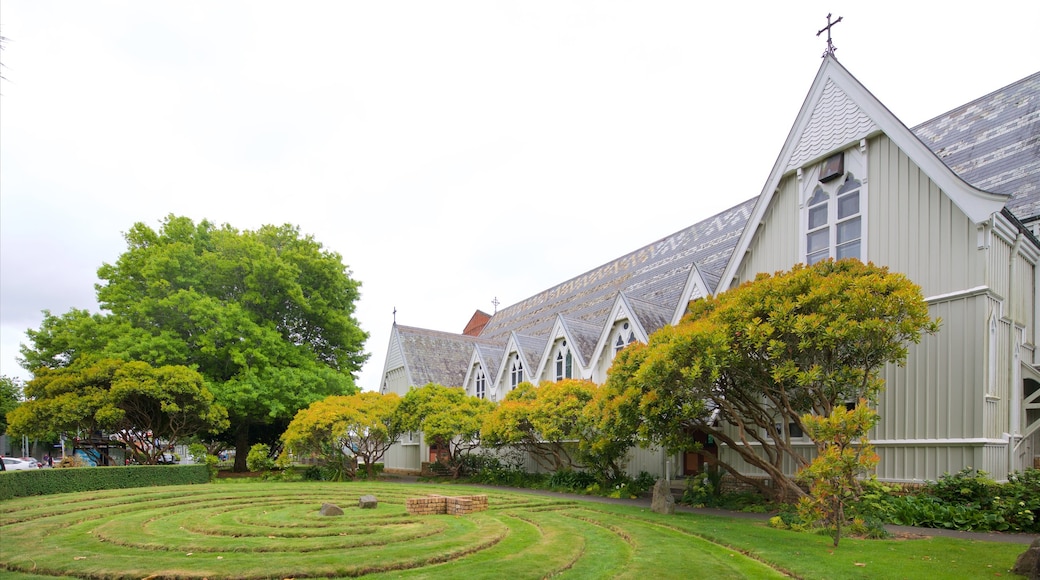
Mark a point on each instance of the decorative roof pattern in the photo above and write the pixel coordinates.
(434, 356)
(993, 143)
(655, 273)
(836, 121)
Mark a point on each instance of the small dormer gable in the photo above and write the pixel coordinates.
(514, 369)
(480, 374)
(622, 329)
(567, 351)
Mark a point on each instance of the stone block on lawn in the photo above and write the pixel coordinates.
(663, 502)
(330, 509)
(368, 502)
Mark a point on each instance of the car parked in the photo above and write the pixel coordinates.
(16, 464)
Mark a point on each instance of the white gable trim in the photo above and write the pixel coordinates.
(501, 384)
(394, 347)
(621, 310)
(977, 204)
(560, 330)
(694, 288)
(476, 359)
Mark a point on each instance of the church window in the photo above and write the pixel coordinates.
(480, 384)
(517, 375)
(621, 341)
(564, 363)
(834, 222)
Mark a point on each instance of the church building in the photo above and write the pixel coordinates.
(953, 203)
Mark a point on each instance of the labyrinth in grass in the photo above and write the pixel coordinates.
(274, 530)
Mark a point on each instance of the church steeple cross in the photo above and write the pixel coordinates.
(496, 303)
(830, 45)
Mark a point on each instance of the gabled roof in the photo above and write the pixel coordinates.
(528, 352)
(993, 143)
(435, 357)
(650, 317)
(697, 286)
(491, 356)
(531, 347)
(582, 337)
(837, 113)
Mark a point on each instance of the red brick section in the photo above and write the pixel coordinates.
(439, 504)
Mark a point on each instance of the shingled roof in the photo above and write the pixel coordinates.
(655, 273)
(435, 357)
(993, 143)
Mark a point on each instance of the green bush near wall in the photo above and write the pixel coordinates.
(47, 481)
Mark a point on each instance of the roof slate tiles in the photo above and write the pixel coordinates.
(993, 143)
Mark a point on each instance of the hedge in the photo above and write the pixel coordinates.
(47, 481)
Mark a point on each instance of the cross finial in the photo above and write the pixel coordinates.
(830, 45)
(496, 303)
(395, 315)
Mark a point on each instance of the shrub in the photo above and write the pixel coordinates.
(48, 481)
(967, 500)
(704, 489)
(568, 480)
(259, 458)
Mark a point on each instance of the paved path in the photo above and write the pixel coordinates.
(645, 502)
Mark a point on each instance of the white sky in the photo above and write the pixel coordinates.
(452, 152)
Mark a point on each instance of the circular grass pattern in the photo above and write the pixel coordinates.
(274, 530)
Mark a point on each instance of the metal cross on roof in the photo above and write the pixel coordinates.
(496, 303)
(830, 45)
(395, 315)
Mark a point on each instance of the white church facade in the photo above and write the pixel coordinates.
(953, 203)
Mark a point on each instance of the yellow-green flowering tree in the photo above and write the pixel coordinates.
(844, 455)
(448, 418)
(148, 408)
(745, 366)
(343, 430)
(542, 420)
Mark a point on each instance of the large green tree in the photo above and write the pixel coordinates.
(266, 316)
(147, 408)
(746, 365)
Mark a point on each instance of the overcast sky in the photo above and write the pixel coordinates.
(451, 152)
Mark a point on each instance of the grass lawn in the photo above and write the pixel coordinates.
(273, 530)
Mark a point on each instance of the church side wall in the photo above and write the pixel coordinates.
(935, 413)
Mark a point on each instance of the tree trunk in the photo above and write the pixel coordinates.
(241, 447)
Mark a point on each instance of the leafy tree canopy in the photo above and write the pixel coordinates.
(542, 420)
(10, 397)
(448, 418)
(266, 316)
(148, 408)
(340, 428)
(760, 356)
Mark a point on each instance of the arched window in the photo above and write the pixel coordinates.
(834, 229)
(564, 363)
(480, 384)
(623, 341)
(517, 375)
